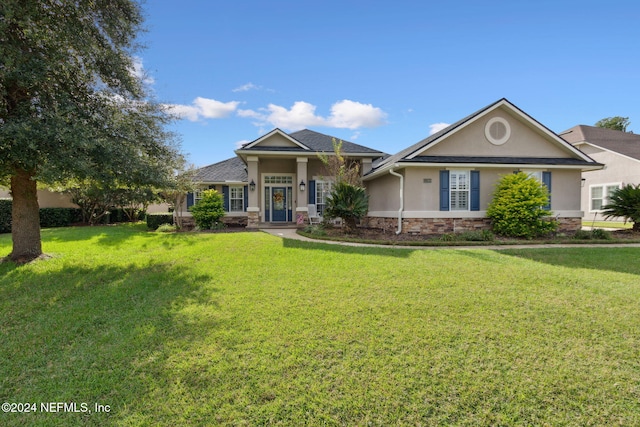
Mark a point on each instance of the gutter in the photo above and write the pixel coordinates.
(394, 173)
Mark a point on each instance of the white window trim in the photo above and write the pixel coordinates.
(321, 182)
(605, 194)
(237, 188)
(467, 173)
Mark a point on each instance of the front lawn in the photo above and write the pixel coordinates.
(249, 329)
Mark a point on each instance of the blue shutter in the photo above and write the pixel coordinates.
(475, 190)
(189, 200)
(444, 190)
(546, 180)
(246, 197)
(225, 197)
(312, 192)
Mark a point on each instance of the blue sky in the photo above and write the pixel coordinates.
(384, 74)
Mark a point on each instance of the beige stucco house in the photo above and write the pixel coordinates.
(618, 151)
(441, 184)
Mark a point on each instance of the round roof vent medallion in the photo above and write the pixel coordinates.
(497, 131)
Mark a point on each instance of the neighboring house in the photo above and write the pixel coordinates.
(442, 184)
(619, 151)
(46, 199)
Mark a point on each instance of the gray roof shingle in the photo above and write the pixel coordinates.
(318, 142)
(624, 143)
(232, 169)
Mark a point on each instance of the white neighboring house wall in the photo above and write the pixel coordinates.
(46, 199)
(619, 170)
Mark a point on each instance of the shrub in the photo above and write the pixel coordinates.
(349, 202)
(155, 220)
(517, 208)
(315, 229)
(595, 234)
(209, 210)
(166, 228)
(59, 217)
(625, 203)
(5, 215)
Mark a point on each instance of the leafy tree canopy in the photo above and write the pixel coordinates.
(615, 123)
(71, 106)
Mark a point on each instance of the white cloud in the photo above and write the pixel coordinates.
(246, 87)
(203, 108)
(437, 127)
(344, 114)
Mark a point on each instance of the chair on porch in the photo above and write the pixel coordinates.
(314, 218)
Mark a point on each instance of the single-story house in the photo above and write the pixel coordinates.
(619, 151)
(441, 184)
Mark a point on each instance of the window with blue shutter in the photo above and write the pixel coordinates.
(225, 197)
(246, 197)
(475, 191)
(546, 180)
(444, 190)
(312, 192)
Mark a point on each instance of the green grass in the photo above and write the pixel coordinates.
(249, 329)
(607, 224)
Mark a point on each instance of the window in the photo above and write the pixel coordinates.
(278, 179)
(600, 195)
(459, 190)
(236, 199)
(323, 189)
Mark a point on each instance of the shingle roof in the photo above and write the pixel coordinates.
(499, 160)
(624, 143)
(232, 169)
(317, 142)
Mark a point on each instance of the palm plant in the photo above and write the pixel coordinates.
(348, 202)
(624, 203)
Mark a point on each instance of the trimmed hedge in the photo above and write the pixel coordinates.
(155, 220)
(49, 217)
(59, 217)
(5, 215)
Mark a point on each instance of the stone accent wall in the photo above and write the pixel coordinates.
(253, 219)
(439, 226)
(569, 225)
(302, 219)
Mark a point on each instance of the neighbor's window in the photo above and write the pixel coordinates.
(236, 199)
(600, 195)
(323, 189)
(459, 190)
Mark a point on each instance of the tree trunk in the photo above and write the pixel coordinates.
(25, 218)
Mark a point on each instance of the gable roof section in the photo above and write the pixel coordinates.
(307, 141)
(625, 143)
(230, 170)
(256, 143)
(414, 152)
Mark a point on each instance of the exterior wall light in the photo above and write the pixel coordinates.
(302, 185)
(252, 186)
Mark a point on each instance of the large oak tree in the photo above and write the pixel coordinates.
(71, 105)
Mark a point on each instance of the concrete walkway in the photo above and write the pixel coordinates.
(290, 233)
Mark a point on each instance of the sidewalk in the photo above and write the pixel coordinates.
(290, 233)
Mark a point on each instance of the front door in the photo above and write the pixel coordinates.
(279, 204)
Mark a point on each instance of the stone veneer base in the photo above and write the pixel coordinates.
(439, 226)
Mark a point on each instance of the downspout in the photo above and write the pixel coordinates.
(394, 173)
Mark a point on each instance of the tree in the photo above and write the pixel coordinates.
(339, 167)
(517, 207)
(625, 203)
(349, 202)
(615, 123)
(176, 193)
(209, 210)
(71, 106)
